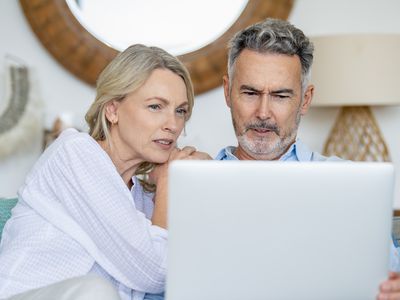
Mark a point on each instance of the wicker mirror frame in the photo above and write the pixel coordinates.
(85, 56)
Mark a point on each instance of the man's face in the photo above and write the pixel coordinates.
(266, 103)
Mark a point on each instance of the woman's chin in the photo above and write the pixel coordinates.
(158, 159)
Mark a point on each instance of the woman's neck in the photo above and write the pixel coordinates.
(126, 167)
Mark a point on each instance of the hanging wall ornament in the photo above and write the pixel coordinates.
(20, 120)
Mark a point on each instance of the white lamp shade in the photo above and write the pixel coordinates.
(356, 70)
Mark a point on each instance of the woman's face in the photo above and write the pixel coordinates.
(147, 123)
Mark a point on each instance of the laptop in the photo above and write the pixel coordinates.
(281, 231)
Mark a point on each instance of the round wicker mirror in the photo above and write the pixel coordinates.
(85, 56)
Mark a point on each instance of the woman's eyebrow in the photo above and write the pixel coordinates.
(166, 101)
(158, 98)
(186, 103)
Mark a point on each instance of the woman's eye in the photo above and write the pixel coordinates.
(154, 107)
(181, 112)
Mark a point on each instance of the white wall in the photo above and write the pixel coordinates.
(210, 127)
(315, 17)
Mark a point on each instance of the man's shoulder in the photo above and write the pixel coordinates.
(304, 153)
(319, 157)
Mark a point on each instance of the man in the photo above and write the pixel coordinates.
(267, 90)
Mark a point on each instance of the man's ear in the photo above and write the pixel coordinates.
(307, 99)
(111, 111)
(225, 80)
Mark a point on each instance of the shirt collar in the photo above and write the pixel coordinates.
(303, 153)
(226, 154)
(297, 151)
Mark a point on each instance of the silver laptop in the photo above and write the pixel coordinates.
(270, 230)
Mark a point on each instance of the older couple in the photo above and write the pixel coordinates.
(90, 222)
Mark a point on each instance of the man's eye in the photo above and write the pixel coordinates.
(281, 96)
(250, 93)
(154, 106)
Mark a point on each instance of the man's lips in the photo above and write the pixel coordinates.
(262, 130)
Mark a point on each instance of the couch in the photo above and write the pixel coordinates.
(5, 211)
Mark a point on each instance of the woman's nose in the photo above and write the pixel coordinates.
(171, 124)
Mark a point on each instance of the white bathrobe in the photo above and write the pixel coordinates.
(76, 216)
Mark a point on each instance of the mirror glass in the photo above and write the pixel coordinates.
(175, 25)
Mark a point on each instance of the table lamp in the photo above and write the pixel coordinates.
(354, 72)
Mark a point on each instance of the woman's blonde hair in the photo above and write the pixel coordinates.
(126, 73)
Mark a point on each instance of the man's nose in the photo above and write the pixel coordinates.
(264, 110)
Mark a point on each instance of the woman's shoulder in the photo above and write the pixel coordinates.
(72, 136)
(72, 141)
(71, 154)
(69, 146)
(76, 146)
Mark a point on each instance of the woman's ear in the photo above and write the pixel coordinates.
(111, 109)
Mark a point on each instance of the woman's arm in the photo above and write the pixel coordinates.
(160, 176)
(78, 189)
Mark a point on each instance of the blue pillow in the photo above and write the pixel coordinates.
(5, 211)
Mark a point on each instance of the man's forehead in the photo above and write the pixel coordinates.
(252, 59)
(254, 53)
(260, 68)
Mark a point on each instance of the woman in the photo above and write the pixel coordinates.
(83, 210)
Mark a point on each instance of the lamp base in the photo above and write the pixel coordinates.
(356, 136)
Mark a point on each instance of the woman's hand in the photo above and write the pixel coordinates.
(199, 156)
(161, 170)
(159, 176)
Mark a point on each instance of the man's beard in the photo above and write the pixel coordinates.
(271, 147)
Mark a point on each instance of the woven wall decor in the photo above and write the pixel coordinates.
(21, 119)
(356, 136)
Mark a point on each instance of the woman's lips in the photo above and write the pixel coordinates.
(165, 144)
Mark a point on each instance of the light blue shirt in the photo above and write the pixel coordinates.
(298, 151)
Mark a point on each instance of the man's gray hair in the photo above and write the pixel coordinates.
(273, 36)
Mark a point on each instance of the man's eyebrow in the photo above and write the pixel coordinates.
(283, 91)
(249, 88)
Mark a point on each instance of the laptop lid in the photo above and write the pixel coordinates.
(272, 230)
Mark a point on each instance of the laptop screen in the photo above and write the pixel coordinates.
(273, 230)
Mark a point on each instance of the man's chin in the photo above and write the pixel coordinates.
(266, 156)
(265, 148)
(262, 151)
